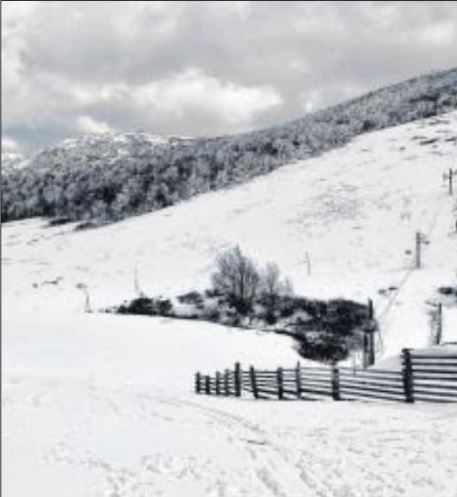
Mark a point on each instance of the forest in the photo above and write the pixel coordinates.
(98, 179)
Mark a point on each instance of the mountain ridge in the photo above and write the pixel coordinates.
(149, 174)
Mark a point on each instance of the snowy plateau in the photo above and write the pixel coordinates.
(100, 405)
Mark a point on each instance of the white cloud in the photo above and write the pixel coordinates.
(10, 149)
(440, 34)
(194, 91)
(9, 145)
(87, 124)
(204, 68)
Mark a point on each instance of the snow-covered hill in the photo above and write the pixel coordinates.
(102, 405)
(355, 212)
(107, 177)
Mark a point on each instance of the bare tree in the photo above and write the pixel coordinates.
(236, 277)
(272, 286)
(271, 282)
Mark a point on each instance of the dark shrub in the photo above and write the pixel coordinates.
(85, 225)
(141, 306)
(212, 313)
(270, 317)
(287, 306)
(192, 298)
(212, 293)
(447, 290)
(324, 347)
(164, 307)
(343, 316)
(144, 306)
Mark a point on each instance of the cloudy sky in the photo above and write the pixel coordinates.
(203, 68)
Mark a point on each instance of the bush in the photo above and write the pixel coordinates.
(147, 307)
(211, 313)
(448, 290)
(86, 225)
(272, 288)
(192, 298)
(324, 347)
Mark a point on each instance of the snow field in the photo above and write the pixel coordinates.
(97, 405)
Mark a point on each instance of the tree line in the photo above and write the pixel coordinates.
(106, 179)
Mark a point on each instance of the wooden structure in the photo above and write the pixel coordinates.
(424, 376)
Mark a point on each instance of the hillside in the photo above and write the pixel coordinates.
(355, 212)
(108, 178)
(102, 405)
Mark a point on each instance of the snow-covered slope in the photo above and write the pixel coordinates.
(98, 405)
(354, 211)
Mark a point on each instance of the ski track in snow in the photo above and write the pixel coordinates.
(231, 447)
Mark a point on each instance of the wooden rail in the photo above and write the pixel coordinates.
(429, 377)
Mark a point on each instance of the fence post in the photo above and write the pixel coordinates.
(365, 349)
(439, 331)
(238, 379)
(197, 382)
(335, 383)
(408, 384)
(371, 348)
(207, 385)
(298, 380)
(255, 392)
(226, 382)
(279, 378)
(218, 383)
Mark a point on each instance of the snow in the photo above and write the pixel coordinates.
(112, 349)
(354, 210)
(102, 405)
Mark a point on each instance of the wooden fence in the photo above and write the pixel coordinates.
(424, 376)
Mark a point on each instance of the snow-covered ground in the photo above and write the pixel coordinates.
(354, 210)
(102, 405)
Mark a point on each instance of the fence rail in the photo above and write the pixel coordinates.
(423, 377)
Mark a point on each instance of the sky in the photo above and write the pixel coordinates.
(203, 68)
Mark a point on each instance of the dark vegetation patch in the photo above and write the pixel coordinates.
(244, 296)
(86, 225)
(448, 291)
(324, 330)
(144, 306)
(59, 221)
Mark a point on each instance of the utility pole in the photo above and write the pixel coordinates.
(368, 338)
(420, 240)
(136, 283)
(436, 322)
(371, 354)
(308, 263)
(418, 250)
(450, 177)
